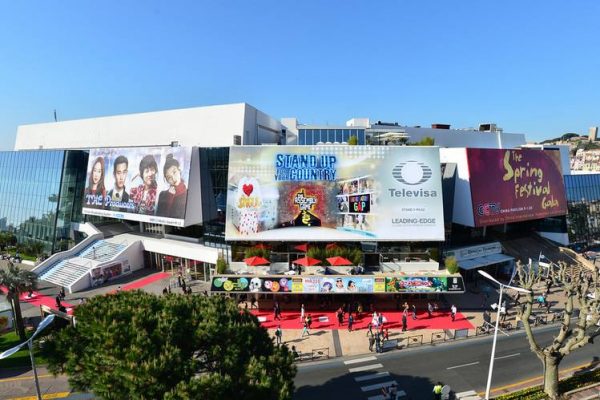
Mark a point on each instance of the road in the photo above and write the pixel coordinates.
(462, 365)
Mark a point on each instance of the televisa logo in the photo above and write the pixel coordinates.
(412, 173)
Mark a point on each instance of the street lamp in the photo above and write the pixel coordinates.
(502, 286)
(45, 322)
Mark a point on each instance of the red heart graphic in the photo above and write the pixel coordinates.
(248, 189)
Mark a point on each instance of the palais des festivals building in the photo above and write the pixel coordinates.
(178, 190)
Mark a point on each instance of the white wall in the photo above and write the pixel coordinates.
(467, 138)
(463, 202)
(200, 126)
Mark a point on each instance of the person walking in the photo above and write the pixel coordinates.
(414, 312)
(278, 334)
(276, 311)
(302, 312)
(350, 321)
(404, 322)
(377, 343)
(252, 302)
(305, 329)
(429, 310)
(308, 320)
(340, 317)
(453, 312)
(369, 329)
(437, 391)
(371, 343)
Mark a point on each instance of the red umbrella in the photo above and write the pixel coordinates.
(255, 261)
(332, 246)
(307, 261)
(302, 247)
(339, 261)
(261, 246)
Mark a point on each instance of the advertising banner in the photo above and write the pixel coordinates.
(515, 185)
(334, 193)
(336, 284)
(415, 284)
(139, 184)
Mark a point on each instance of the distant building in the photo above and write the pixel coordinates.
(586, 160)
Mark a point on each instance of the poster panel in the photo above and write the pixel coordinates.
(515, 185)
(415, 284)
(334, 193)
(139, 184)
(335, 284)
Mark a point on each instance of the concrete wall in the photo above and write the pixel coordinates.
(210, 126)
(463, 202)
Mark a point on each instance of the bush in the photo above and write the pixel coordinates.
(222, 265)
(254, 252)
(451, 264)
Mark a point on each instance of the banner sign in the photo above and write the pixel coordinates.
(515, 185)
(139, 184)
(334, 193)
(336, 284)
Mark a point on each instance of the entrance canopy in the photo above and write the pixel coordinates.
(483, 261)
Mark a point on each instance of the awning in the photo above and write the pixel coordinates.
(484, 261)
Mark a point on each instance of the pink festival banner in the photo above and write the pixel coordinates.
(515, 185)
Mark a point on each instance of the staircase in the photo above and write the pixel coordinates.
(66, 272)
(101, 251)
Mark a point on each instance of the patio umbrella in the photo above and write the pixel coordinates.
(307, 261)
(261, 246)
(302, 247)
(255, 261)
(332, 246)
(339, 261)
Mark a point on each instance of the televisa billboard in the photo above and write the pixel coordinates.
(139, 184)
(515, 185)
(334, 193)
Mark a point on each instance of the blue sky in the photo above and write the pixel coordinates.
(529, 66)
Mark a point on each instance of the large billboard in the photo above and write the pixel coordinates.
(337, 284)
(140, 184)
(515, 185)
(334, 193)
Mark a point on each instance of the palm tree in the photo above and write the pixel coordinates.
(14, 281)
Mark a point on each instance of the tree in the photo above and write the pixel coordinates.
(426, 141)
(451, 264)
(137, 345)
(353, 140)
(582, 292)
(7, 239)
(16, 281)
(222, 265)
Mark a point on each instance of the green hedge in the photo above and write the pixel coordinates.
(566, 385)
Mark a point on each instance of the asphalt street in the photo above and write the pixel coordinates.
(463, 365)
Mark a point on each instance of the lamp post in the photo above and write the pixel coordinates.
(45, 322)
(502, 286)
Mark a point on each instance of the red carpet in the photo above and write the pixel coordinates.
(146, 281)
(39, 299)
(291, 320)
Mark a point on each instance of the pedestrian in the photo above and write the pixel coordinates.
(58, 303)
(429, 310)
(371, 342)
(380, 319)
(165, 291)
(350, 321)
(414, 312)
(278, 334)
(94, 252)
(359, 310)
(252, 302)
(305, 329)
(340, 317)
(437, 391)
(62, 293)
(308, 320)
(453, 312)
(302, 312)
(276, 311)
(295, 353)
(370, 329)
(548, 306)
(517, 299)
(183, 286)
(404, 322)
(385, 391)
(377, 343)
(393, 391)
(386, 334)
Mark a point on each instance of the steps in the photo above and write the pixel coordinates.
(65, 273)
(101, 251)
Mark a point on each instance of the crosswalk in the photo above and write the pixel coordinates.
(373, 379)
